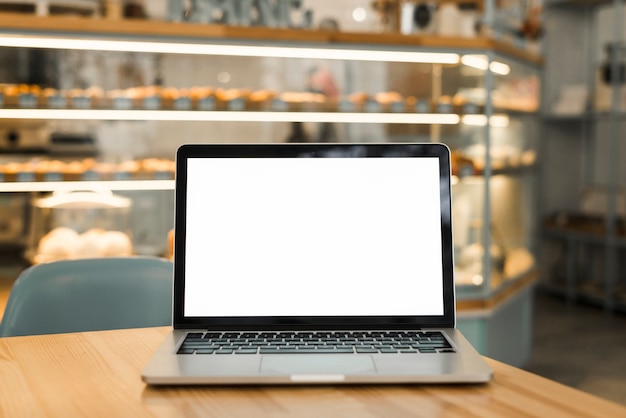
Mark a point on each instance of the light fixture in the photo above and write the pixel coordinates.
(223, 77)
(477, 279)
(480, 62)
(359, 14)
(496, 121)
(101, 198)
(67, 186)
(231, 116)
(227, 50)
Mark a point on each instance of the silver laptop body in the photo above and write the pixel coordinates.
(314, 263)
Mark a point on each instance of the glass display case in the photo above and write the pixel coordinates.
(71, 225)
(136, 92)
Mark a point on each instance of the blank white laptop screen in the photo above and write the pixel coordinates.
(313, 237)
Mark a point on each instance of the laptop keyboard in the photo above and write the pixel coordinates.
(363, 342)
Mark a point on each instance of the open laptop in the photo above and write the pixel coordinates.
(314, 263)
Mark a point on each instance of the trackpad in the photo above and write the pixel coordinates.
(317, 364)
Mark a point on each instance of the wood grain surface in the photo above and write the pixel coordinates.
(98, 374)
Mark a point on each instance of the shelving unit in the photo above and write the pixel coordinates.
(494, 303)
(583, 238)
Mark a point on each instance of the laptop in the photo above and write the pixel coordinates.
(314, 264)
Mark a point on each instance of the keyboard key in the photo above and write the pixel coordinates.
(246, 351)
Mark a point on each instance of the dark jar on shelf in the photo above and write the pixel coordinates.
(614, 63)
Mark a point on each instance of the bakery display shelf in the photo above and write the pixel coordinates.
(13, 23)
(64, 185)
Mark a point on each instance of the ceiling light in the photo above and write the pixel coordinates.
(359, 14)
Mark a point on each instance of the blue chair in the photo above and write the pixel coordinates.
(88, 295)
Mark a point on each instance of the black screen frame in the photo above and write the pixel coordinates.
(350, 150)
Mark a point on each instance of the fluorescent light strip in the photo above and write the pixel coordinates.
(67, 186)
(498, 121)
(228, 50)
(480, 62)
(231, 116)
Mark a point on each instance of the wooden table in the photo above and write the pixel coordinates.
(98, 374)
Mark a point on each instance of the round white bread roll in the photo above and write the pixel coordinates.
(90, 244)
(116, 243)
(60, 243)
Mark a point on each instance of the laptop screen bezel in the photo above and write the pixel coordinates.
(414, 150)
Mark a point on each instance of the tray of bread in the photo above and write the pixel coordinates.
(208, 98)
(44, 169)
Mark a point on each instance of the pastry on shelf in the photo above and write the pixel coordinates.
(160, 168)
(445, 104)
(92, 97)
(127, 170)
(54, 98)
(260, 99)
(119, 99)
(391, 101)
(200, 92)
(146, 97)
(103, 170)
(175, 98)
(73, 170)
(354, 102)
(232, 99)
(202, 97)
(49, 170)
(304, 100)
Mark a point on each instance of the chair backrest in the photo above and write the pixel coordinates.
(88, 295)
